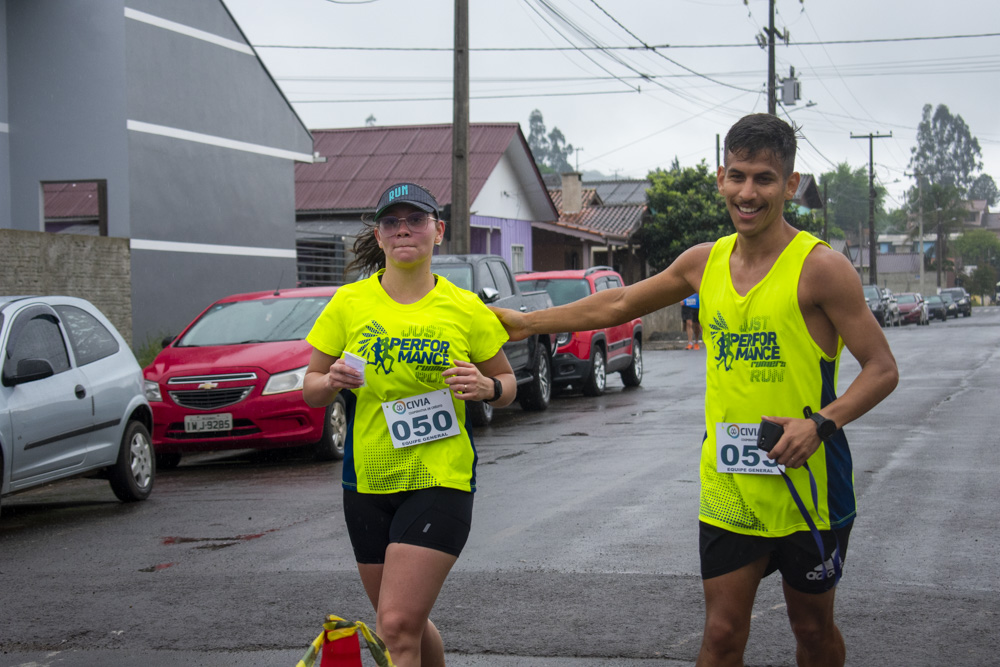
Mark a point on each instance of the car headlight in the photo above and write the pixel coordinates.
(152, 390)
(280, 383)
(563, 338)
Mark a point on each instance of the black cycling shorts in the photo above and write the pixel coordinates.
(795, 556)
(688, 313)
(438, 518)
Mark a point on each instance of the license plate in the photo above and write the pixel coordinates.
(201, 423)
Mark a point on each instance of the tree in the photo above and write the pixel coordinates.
(983, 281)
(946, 152)
(686, 210)
(847, 199)
(550, 150)
(978, 246)
(538, 141)
(984, 187)
(559, 152)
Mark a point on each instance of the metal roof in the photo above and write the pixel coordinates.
(616, 222)
(620, 192)
(363, 162)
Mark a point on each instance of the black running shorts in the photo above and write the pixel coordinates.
(438, 518)
(795, 556)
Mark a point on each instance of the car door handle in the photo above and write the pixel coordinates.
(80, 391)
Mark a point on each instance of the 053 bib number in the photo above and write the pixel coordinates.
(736, 450)
(422, 418)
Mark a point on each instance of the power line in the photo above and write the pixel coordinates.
(472, 97)
(650, 47)
(644, 47)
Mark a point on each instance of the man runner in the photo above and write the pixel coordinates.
(777, 306)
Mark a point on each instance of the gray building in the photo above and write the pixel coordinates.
(184, 142)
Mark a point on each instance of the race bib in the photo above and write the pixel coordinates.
(419, 419)
(736, 451)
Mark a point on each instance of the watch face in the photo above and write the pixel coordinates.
(824, 427)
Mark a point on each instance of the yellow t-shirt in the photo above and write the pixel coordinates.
(406, 347)
(763, 361)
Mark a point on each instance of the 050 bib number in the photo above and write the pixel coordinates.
(422, 418)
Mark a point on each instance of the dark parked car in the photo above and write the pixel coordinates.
(71, 399)
(912, 308)
(937, 308)
(878, 303)
(962, 300)
(949, 301)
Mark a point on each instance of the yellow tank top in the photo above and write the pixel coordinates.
(763, 361)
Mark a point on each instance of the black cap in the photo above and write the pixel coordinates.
(407, 193)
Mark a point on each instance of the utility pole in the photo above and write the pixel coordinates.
(460, 135)
(768, 42)
(872, 248)
(772, 99)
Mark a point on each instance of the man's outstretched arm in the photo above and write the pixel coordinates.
(613, 306)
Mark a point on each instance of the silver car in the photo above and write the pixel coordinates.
(71, 399)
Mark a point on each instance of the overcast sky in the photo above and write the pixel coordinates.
(633, 111)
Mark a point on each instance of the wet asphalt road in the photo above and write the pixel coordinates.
(583, 549)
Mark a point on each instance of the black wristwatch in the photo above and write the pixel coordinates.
(825, 428)
(498, 391)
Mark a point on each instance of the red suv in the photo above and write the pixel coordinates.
(584, 358)
(233, 380)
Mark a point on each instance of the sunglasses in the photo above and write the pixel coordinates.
(415, 222)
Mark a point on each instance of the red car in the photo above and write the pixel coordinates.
(584, 358)
(912, 309)
(233, 380)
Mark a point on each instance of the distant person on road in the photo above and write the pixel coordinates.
(424, 348)
(779, 306)
(689, 315)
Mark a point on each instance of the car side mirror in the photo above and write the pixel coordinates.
(167, 340)
(29, 370)
(489, 294)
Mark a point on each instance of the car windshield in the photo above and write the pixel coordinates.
(871, 292)
(257, 321)
(947, 297)
(458, 274)
(562, 290)
(954, 293)
(934, 299)
(906, 298)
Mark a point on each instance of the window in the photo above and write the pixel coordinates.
(35, 335)
(502, 279)
(517, 258)
(76, 207)
(485, 277)
(88, 337)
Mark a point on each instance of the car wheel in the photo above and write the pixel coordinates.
(536, 394)
(480, 413)
(168, 461)
(632, 376)
(331, 446)
(598, 378)
(132, 475)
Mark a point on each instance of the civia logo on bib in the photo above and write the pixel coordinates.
(733, 430)
(400, 407)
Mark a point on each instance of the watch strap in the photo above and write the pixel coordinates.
(497, 391)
